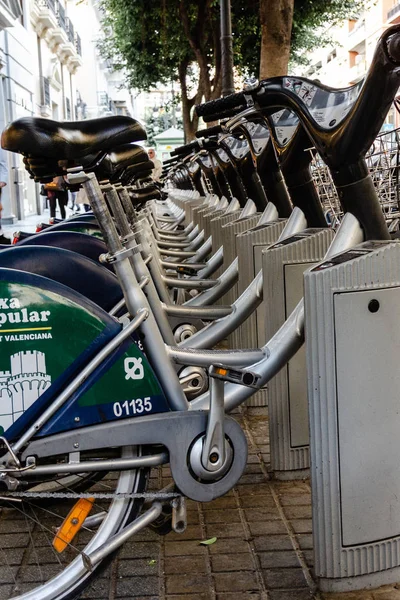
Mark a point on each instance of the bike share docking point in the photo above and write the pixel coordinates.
(283, 266)
(352, 341)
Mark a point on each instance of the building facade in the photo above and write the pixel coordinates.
(50, 67)
(346, 60)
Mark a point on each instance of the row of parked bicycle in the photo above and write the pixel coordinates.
(109, 324)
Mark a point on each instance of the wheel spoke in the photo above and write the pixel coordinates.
(27, 531)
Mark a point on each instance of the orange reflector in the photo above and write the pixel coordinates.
(72, 524)
(220, 371)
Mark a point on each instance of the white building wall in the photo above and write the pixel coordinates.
(98, 86)
(347, 59)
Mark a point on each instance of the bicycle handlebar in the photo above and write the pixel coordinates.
(222, 108)
(186, 149)
(209, 131)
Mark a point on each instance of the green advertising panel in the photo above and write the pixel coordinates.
(41, 334)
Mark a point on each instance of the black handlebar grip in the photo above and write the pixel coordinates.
(170, 161)
(209, 131)
(210, 109)
(186, 149)
(393, 47)
(224, 116)
(210, 144)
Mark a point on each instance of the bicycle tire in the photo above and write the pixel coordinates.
(71, 580)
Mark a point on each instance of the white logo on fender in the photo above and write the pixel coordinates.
(133, 368)
(20, 316)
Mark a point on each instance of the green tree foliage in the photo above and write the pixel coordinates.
(308, 17)
(159, 41)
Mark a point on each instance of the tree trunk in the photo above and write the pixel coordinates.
(190, 121)
(276, 17)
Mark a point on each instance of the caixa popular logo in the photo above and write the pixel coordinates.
(12, 313)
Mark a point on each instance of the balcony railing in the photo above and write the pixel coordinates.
(47, 4)
(360, 24)
(70, 31)
(393, 11)
(49, 16)
(61, 19)
(78, 45)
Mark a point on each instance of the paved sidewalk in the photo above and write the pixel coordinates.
(263, 548)
(29, 223)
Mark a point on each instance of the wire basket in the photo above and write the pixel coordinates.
(383, 161)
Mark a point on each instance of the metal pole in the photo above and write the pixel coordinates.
(226, 48)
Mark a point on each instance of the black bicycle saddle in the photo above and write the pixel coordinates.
(113, 164)
(44, 138)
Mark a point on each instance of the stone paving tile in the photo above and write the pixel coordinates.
(140, 550)
(305, 542)
(363, 595)
(139, 567)
(242, 581)
(283, 559)
(225, 530)
(299, 594)
(99, 589)
(267, 527)
(7, 574)
(298, 512)
(285, 578)
(226, 502)
(203, 596)
(261, 513)
(5, 592)
(273, 543)
(131, 587)
(228, 562)
(259, 501)
(183, 548)
(222, 516)
(186, 583)
(229, 546)
(301, 525)
(193, 532)
(252, 469)
(239, 596)
(254, 489)
(184, 564)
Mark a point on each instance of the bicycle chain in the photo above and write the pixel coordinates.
(96, 495)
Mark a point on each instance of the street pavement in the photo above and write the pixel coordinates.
(263, 549)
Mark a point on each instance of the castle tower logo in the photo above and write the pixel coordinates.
(22, 385)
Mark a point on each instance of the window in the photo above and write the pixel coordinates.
(14, 7)
(46, 91)
(68, 108)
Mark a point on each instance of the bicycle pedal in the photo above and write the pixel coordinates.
(240, 376)
(163, 524)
